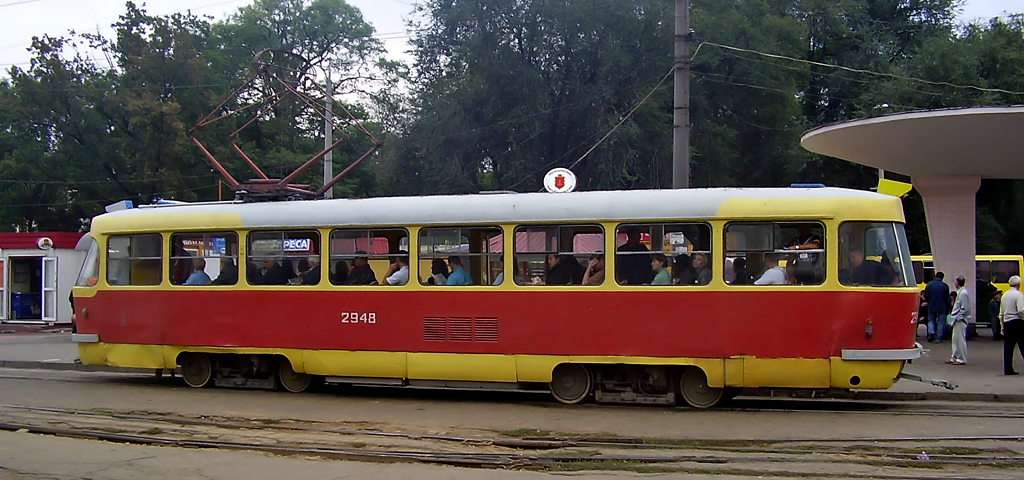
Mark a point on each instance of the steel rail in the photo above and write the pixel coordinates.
(522, 443)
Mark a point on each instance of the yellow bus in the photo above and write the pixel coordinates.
(994, 269)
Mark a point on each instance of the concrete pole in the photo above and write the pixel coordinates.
(329, 137)
(681, 99)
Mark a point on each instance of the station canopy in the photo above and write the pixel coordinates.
(987, 142)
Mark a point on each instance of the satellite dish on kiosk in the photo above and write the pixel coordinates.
(560, 180)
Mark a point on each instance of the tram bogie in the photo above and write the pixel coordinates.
(635, 384)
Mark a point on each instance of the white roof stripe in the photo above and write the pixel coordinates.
(498, 208)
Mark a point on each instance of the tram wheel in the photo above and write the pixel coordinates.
(693, 385)
(571, 383)
(291, 380)
(196, 369)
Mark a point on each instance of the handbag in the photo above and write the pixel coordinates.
(949, 320)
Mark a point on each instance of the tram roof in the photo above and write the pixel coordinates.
(480, 209)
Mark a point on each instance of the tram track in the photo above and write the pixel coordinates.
(743, 404)
(894, 458)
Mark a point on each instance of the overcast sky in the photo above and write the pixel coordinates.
(24, 19)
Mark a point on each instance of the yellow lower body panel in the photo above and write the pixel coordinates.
(751, 372)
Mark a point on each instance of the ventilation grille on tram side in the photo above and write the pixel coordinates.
(460, 329)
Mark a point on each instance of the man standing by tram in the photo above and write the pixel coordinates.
(936, 293)
(1011, 317)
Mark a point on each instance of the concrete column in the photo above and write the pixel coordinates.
(949, 208)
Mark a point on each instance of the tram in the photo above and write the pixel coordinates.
(679, 317)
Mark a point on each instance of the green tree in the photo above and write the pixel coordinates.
(509, 89)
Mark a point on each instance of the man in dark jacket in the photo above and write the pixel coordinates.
(936, 293)
(361, 273)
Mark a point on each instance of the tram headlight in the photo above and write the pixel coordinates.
(869, 328)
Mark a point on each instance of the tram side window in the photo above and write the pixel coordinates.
(284, 258)
(460, 256)
(134, 259)
(663, 254)
(775, 253)
(555, 255)
(204, 258)
(1002, 270)
(874, 254)
(363, 256)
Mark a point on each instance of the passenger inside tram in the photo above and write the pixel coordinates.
(701, 268)
(682, 270)
(339, 274)
(594, 274)
(228, 272)
(398, 272)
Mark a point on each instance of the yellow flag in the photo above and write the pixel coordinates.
(894, 188)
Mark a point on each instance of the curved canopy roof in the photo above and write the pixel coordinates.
(983, 141)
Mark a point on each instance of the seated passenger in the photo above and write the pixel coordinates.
(739, 272)
(339, 275)
(558, 271)
(682, 270)
(576, 270)
(271, 273)
(228, 272)
(659, 263)
(398, 272)
(312, 274)
(438, 272)
(594, 274)
(864, 272)
(804, 266)
(701, 269)
(633, 269)
(775, 274)
(361, 273)
(198, 276)
(458, 275)
(288, 267)
(499, 266)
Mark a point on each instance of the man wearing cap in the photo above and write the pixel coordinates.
(361, 273)
(1011, 318)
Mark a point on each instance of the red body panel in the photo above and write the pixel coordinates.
(683, 323)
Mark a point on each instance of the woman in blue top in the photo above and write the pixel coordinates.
(660, 265)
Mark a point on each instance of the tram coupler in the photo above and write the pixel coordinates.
(948, 385)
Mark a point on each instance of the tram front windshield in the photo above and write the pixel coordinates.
(874, 254)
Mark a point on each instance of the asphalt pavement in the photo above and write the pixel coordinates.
(981, 379)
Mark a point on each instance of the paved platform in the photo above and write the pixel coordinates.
(981, 379)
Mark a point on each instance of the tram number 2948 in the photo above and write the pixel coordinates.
(357, 317)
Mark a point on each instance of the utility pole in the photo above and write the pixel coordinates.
(681, 99)
(329, 137)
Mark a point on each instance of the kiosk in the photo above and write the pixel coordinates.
(37, 272)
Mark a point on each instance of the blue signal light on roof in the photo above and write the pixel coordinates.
(807, 185)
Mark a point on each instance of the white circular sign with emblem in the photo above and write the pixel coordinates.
(44, 243)
(560, 180)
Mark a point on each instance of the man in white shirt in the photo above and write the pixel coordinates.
(775, 275)
(398, 273)
(1011, 311)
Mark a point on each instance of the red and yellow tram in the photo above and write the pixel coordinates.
(518, 323)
